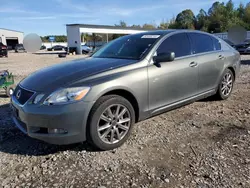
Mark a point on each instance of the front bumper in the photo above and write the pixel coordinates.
(34, 120)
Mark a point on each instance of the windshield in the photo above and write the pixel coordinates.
(128, 47)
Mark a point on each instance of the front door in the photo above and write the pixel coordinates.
(173, 81)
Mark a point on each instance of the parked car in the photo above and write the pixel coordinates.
(43, 47)
(9, 47)
(57, 48)
(130, 79)
(19, 48)
(3, 50)
(243, 48)
(230, 43)
(85, 49)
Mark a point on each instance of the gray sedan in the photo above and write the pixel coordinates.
(130, 79)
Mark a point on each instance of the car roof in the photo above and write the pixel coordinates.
(168, 31)
(159, 32)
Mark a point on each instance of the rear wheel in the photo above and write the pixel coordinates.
(226, 85)
(110, 123)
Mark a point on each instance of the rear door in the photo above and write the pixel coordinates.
(210, 60)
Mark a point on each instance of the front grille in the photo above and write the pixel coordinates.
(22, 95)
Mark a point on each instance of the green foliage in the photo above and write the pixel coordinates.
(121, 24)
(219, 18)
(185, 20)
(202, 21)
(149, 26)
(163, 25)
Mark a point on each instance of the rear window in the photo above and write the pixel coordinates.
(217, 44)
(201, 43)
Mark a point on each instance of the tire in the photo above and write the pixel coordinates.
(10, 90)
(220, 95)
(62, 55)
(99, 109)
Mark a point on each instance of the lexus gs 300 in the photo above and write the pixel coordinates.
(130, 79)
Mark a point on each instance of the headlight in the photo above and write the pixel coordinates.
(67, 95)
(38, 98)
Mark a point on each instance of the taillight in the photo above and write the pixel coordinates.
(3, 47)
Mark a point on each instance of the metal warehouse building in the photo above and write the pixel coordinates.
(10, 37)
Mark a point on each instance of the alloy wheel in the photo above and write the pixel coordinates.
(227, 84)
(114, 124)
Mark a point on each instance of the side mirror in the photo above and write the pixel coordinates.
(164, 57)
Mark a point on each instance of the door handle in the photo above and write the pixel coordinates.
(221, 57)
(193, 64)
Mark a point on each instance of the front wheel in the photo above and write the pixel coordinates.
(226, 85)
(111, 121)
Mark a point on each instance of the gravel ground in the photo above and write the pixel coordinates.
(205, 144)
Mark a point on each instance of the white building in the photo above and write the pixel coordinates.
(74, 32)
(10, 37)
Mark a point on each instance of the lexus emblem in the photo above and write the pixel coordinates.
(18, 94)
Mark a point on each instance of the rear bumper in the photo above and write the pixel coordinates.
(36, 120)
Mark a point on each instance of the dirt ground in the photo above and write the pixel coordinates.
(204, 144)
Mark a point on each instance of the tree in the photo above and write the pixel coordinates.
(202, 21)
(185, 20)
(136, 26)
(149, 26)
(121, 24)
(241, 11)
(217, 19)
(230, 7)
(247, 13)
(172, 24)
(163, 25)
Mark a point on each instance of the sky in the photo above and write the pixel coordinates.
(49, 17)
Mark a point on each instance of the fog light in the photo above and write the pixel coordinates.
(56, 131)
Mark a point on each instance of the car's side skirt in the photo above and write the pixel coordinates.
(183, 102)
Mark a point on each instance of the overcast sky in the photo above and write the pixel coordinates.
(47, 17)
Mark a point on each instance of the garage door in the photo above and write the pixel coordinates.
(11, 43)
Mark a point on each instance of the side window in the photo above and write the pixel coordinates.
(178, 43)
(217, 44)
(201, 43)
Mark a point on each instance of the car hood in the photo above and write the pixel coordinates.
(59, 75)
